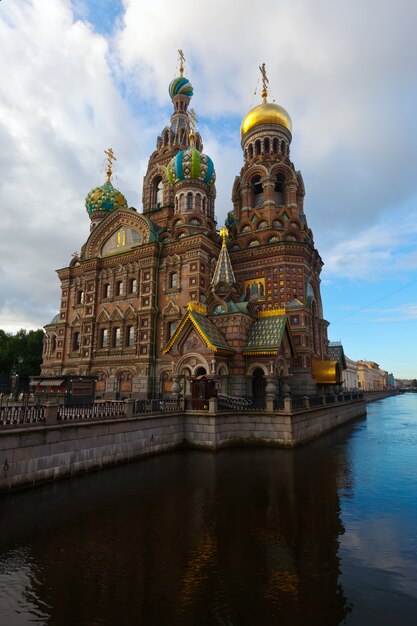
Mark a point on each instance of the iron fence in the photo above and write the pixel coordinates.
(21, 415)
(100, 410)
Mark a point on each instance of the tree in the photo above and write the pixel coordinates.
(22, 352)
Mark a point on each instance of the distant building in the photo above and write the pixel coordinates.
(350, 376)
(157, 300)
(371, 377)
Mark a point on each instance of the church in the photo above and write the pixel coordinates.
(159, 303)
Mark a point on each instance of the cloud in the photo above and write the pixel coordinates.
(74, 84)
(59, 109)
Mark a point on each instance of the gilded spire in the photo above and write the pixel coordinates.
(193, 121)
(223, 272)
(181, 62)
(110, 159)
(265, 82)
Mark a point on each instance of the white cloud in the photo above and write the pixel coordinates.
(67, 93)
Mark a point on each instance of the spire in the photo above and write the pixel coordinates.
(265, 82)
(110, 159)
(223, 272)
(181, 61)
(192, 127)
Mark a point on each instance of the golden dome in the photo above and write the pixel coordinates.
(265, 113)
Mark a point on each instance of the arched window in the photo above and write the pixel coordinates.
(257, 147)
(266, 145)
(53, 343)
(257, 191)
(76, 341)
(133, 285)
(279, 188)
(106, 290)
(104, 337)
(283, 147)
(204, 205)
(80, 297)
(250, 151)
(275, 145)
(171, 329)
(173, 280)
(116, 337)
(130, 336)
(119, 288)
(189, 201)
(198, 202)
(182, 202)
(158, 192)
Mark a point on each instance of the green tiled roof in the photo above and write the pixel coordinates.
(336, 353)
(207, 330)
(210, 331)
(265, 334)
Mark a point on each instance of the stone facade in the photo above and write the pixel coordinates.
(256, 317)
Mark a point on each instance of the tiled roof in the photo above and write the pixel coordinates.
(265, 334)
(294, 304)
(207, 330)
(336, 353)
(223, 272)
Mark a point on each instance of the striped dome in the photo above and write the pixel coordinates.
(104, 198)
(180, 85)
(191, 165)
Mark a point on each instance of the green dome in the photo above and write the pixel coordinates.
(105, 198)
(191, 165)
(180, 85)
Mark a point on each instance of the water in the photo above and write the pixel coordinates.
(325, 534)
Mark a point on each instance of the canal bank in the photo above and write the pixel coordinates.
(319, 534)
(56, 450)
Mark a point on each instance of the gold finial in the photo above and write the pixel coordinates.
(224, 234)
(110, 159)
(193, 121)
(265, 82)
(181, 61)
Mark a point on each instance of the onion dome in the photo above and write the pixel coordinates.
(105, 198)
(265, 113)
(191, 164)
(180, 86)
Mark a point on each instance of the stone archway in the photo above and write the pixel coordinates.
(258, 384)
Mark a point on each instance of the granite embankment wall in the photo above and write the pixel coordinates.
(35, 454)
(371, 396)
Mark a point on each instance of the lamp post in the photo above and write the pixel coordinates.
(14, 377)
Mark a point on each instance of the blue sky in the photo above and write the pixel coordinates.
(80, 76)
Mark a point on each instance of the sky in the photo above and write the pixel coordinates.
(79, 76)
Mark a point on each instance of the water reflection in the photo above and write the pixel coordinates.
(241, 537)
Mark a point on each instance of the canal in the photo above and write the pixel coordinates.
(325, 534)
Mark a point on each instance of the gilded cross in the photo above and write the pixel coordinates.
(110, 159)
(223, 234)
(265, 81)
(182, 61)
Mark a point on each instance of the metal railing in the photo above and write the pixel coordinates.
(21, 415)
(233, 403)
(100, 410)
(156, 406)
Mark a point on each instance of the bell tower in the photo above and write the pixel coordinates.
(271, 244)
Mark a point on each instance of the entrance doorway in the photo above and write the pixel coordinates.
(258, 384)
